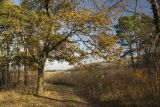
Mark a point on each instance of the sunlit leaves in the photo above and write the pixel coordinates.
(83, 18)
(106, 41)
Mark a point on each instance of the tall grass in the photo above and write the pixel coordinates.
(121, 85)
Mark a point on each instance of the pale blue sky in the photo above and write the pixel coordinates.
(16, 1)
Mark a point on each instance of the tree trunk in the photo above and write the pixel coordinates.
(3, 77)
(7, 64)
(132, 57)
(40, 81)
(19, 74)
(26, 75)
(41, 64)
(138, 54)
(156, 14)
(26, 67)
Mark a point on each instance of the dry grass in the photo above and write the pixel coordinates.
(117, 85)
(54, 96)
(14, 99)
(99, 84)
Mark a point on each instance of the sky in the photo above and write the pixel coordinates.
(55, 65)
(144, 7)
(16, 1)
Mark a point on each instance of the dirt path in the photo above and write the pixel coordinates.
(54, 96)
(63, 96)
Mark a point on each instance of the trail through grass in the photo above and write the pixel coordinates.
(54, 96)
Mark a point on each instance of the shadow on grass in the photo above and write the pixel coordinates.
(106, 104)
(90, 102)
(97, 103)
(62, 101)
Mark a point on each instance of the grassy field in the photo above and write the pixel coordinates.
(96, 85)
(113, 85)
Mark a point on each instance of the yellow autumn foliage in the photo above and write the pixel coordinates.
(106, 41)
(5, 33)
(17, 29)
(98, 18)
